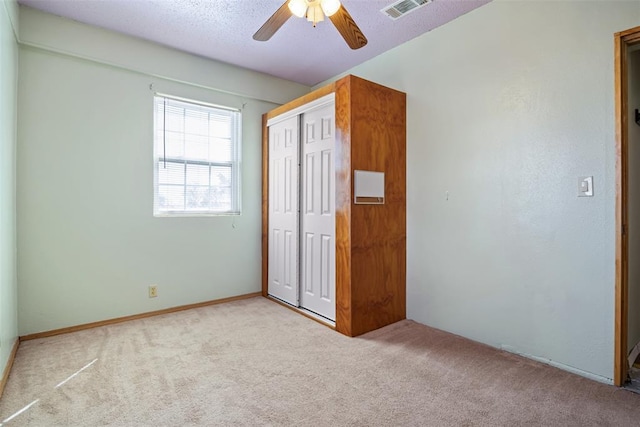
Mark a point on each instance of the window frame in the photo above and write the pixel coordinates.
(234, 164)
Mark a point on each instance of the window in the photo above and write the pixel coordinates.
(196, 157)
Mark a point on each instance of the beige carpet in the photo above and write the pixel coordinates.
(254, 362)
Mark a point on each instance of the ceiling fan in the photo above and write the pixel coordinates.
(315, 11)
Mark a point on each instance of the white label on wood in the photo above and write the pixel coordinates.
(368, 187)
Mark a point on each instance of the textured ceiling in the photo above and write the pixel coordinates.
(223, 30)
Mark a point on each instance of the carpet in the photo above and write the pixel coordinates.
(253, 362)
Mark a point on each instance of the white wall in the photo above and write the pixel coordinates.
(8, 106)
(88, 244)
(507, 106)
(633, 335)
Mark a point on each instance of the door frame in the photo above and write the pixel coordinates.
(622, 41)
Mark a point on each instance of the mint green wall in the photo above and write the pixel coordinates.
(8, 105)
(506, 107)
(55, 34)
(88, 244)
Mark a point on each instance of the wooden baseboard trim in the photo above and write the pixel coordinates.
(299, 311)
(7, 368)
(135, 317)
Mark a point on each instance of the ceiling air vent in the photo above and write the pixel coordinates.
(402, 7)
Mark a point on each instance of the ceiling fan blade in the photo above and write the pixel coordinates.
(348, 28)
(274, 23)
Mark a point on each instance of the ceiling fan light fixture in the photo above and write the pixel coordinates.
(298, 7)
(329, 7)
(314, 14)
(315, 11)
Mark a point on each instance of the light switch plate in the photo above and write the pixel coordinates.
(585, 186)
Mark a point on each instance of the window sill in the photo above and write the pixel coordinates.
(194, 214)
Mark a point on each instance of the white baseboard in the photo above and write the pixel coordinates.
(558, 365)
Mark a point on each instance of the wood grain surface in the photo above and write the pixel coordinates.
(298, 102)
(344, 312)
(348, 29)
(274, 23)
(378, 232)
(370, 239)
(8, 366)
(265, 206)
(621, 42)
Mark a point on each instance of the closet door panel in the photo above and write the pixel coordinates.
(317, 219)
(284, 145)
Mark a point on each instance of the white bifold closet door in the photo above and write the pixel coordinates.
(283, 274)
(317, 212)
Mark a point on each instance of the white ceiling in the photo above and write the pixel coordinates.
(223, 30)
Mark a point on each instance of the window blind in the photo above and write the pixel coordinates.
(196, 158)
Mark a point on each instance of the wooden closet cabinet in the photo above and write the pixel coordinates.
(370, 239)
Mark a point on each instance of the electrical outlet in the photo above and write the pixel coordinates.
(153, 291)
